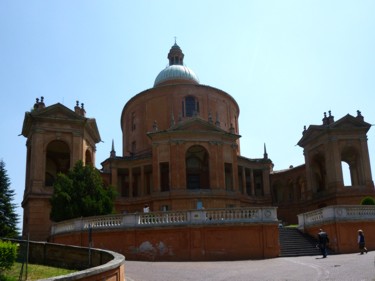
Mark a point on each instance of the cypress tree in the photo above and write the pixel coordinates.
(8, 215)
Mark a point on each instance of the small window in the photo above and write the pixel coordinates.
(190, 106)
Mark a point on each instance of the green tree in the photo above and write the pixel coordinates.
(8, 215)
(80, 193)
(368, 200)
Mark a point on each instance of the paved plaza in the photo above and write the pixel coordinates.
(346, 267)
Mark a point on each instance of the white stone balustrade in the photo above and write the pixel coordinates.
(337, 213)
(221, 216)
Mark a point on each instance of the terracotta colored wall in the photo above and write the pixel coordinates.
(343, 235)
(117, 274)
(146, 109)
(197, 243)
(38, 225)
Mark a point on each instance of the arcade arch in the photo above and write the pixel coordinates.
(57, 160)
(197, 168)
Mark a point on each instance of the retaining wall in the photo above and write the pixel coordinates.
(185, 242)
(94, 264)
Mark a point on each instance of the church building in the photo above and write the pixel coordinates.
(181, 151)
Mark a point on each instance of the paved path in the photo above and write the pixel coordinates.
(347, 267)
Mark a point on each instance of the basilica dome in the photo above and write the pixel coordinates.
(176, 70)
(173, 72)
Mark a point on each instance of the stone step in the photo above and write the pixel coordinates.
(295, 243)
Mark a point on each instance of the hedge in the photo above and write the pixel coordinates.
(8, 255)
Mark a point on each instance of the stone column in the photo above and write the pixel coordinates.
(266, 181)
(142, 183)
(365, 160)
(243, 180)
(130, 182)
(114, 178)
(252, 183)
(155, 169)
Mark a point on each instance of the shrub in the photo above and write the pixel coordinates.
(8, 255)
(368, 201)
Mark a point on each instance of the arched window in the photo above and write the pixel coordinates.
(197, 169)
(190, 106)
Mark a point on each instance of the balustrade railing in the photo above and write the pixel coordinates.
(337, 213)
(222, 216)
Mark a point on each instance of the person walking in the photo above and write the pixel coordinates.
(323, 241)
(361, 242)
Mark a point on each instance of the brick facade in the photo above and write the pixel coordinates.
(181, 150)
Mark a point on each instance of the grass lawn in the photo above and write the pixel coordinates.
(34, 272)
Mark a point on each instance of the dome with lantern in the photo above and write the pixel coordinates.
(176, 72)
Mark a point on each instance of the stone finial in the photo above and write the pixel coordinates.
(330, 118)
(265, 154)
(77, 109)
(83, 111)
(359, 116)
(39, 103)
(113, 152)
(325, 119)
(36, 103)
(304, 130)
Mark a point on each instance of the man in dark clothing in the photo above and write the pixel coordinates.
(323, 241)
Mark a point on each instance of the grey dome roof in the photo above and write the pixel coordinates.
(176, 71)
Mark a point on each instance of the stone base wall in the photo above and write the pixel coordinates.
(184, 243)
(343, 235)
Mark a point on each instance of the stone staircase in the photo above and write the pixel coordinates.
(295, 243)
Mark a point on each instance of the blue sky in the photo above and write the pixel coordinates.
(285, 63)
